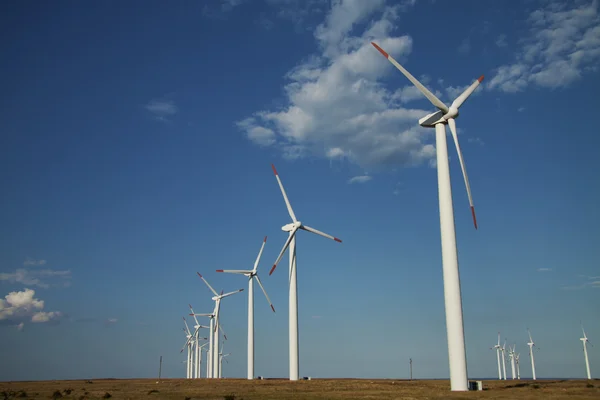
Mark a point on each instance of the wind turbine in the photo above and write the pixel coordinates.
(217, 299)
(517, 362)
(531, 344)
(221, 357)
(209, 358)
(292, 228)
(585, 340)
(197, 353)
(497, 347)
(251, 274)
(454, 318)
(504, 358)
(188, 344)
(511, 357)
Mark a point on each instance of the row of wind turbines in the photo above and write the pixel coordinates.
(513, 357)
(215, 358)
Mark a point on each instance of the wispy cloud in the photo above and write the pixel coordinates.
(501, 41)
(589, 282)
(162, 109)
(30, 262)
(563, 43)
(21, 306)
(465, 46)
(337, 107)
(544, 269)
(110, 321)
(43, 278)
(359, 179)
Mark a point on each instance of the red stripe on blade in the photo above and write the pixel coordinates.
(272, 269)
(474, 217)
(219, 270)
(274, 170)
(382, 51)
(272, 308)
(199, 274)
(480, 78)
(337, 240)
(265, 240)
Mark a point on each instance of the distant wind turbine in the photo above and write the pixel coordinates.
(511, 357)
(497, 348)
(251, 275)
(504, 358)
(531, 344)
(517, 362)
(585, 340)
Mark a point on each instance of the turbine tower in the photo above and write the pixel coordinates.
(531, 344)
(292, 228)
(497, 348)
(585, 340)
(251, 275)
(457, 356)
(517, 362)
(215, 348)
(504, 358)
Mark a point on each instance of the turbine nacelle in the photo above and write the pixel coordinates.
(291, 226)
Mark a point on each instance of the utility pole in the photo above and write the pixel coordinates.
(160, 368)
(410, 362)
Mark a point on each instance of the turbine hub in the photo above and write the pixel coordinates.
(289, 227)
(452, 113)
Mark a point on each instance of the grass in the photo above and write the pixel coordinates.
(277, 389)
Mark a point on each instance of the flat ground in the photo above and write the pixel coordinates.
(275, 389)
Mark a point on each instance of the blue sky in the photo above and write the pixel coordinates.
(136, 146)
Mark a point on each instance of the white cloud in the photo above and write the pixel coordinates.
(30, 262)
(521, 109)
(563, 43)
(359, 179)
(20, 326)
(544, 269)
(161, 109)
(18, 307)
(465, 46)
(43, 278)
(590, 281)
(110, 321)
(336, 106)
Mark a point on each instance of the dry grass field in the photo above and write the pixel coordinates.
(272, 389)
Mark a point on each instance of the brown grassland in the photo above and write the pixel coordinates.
(271, 389)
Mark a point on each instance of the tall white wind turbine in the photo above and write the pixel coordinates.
(188, 344)
(454, 317)
(585, 340)
(292, 228)
(251, 275)
(531, 344)
(217, 299)
(497, 348)
(517, 363)
(504, 358)
(209, 358)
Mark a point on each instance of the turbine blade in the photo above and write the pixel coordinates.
(230, 293)
(264, 291)
(465, 95)
(287, 202)
(430, 96)
(193, 315)
(186, 326)
(529, 333)
(234, 271)
(313, 230)
(223, 332)
(285, 246)
(207, 284)
(452, 125)
(259, 255)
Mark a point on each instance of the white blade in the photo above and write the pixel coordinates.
(264, 291)
(222, 331)
(230, 293)
(217, 308)
(313, 230)
(259, 255)
(452, 125)
(430, 96)
(285, 246)
(207, 284)
(193, 315)
(498, 339)
(203, 315)
(234, 271)
(530, 339)
(465, 95)
(287, 202)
